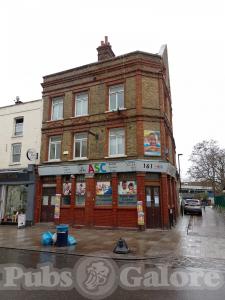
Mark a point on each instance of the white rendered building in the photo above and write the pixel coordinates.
(20, 132)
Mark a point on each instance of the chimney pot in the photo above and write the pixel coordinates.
(105, 50)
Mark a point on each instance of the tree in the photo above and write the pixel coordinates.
(208, 165)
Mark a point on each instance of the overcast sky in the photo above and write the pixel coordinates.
(40, 37)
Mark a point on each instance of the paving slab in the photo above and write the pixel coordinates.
(206, 238)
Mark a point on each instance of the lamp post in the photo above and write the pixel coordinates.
(180, 154)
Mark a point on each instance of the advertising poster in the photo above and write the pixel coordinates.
(57, 206)
(103, 188)
(152, 145)
(80, 188)
(67, 188)
(141, 219)
(127, 188)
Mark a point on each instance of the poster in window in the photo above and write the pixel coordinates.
(80, 193)
(127, 188)
(103, 188)
(152, 145)
(67, 188)
(80, 188)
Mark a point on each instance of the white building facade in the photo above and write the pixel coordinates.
(20, 132)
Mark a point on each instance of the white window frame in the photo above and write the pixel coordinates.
(80, 140)
(116, 90)
(59, 142)
(18, 153)
(15, 126)
(117, 133)
(83, 99)
(58, 101)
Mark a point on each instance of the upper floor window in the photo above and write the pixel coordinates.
(54, 148)
(81, 104)
(116, 97)
(116, 142)
(57, 108)
(16, 152)
(18, 129)
(80, 145)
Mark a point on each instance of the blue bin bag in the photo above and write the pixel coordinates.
(71, 240)
(46, 238)
(62, 228)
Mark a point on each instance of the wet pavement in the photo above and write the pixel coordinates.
(198, 249)
(197, 237)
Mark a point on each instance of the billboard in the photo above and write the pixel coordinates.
(152, 145)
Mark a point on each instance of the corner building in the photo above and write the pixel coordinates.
(107, 143)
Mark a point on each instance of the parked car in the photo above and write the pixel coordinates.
(192, 206)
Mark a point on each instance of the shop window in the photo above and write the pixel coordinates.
(81, 104)
(16, 201)
(80, 193)
(18, 129)
(80, 145)
(103, 193)
(16, 152)
(116, 97)
(127, 193)
(116, 142)
(54, 148)
(57, 109)
(66, 195)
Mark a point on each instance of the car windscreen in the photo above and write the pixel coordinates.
(192, 202)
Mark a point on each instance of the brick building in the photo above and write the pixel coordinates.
(107, 142)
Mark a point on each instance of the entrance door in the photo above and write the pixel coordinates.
(48, 204)
(153, 214)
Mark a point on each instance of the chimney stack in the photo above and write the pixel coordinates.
(105, 50)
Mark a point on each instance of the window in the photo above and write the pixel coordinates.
(103, 193)
(54, 148)
(16, 153)
(116, 97)
(81, 104)
(80, 145)
(80, 193)
(116, 142)
(18, 130)
(57, 108)
(127, 193)
(66, 197)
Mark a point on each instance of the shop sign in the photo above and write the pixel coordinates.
(14, 177)
(109, 167)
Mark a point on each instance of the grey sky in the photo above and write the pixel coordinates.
(47, 36)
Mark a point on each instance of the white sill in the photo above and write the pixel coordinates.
(48, 121)
(116, 156)
(15, 164)
(115, 110)
(74, 117)
(53, 160)
(79, 158)
(19, 135)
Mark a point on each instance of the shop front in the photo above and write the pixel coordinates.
(105, 194)
(17, 190)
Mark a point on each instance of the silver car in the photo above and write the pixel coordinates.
(192, 206)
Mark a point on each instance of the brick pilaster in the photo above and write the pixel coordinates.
(90, 200)
(164, 206)
(141, 191)
(114, 198)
